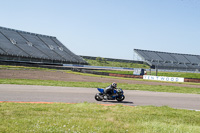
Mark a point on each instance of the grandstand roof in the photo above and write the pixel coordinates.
(26, 46)
(167, 60)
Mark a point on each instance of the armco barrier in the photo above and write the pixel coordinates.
(94, 72)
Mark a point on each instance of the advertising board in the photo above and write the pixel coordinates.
(162, 78)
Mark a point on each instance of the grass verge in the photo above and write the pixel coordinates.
(23, 67)
(116, 64)
(90, 118)
(125, 86)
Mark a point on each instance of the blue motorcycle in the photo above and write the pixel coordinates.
(118, 94)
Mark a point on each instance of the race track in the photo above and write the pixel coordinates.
(32, 93)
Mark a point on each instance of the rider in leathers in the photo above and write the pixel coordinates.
(109, 90)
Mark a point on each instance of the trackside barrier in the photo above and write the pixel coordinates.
(192, 80)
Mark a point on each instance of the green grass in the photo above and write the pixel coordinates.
(23, 67)
(156, 88)
(116, 64)
(85, 117)
(93, 118)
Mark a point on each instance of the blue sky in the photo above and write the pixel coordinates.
(110, 28)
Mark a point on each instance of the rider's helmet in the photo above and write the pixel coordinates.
(114, 84)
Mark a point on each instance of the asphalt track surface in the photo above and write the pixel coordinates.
(33, 93)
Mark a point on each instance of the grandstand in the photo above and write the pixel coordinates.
(25, 47)
(170, 61)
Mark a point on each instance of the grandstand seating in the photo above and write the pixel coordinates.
(165, 60)
(19, 46)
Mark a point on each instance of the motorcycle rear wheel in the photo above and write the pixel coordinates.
(98, 97)
(121, 98)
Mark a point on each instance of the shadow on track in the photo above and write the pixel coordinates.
(123, 102)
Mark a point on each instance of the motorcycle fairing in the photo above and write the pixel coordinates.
(100, 90)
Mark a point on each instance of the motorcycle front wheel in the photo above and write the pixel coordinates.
(98, 97)
(120, 98)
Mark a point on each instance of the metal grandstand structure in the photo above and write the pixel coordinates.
(171, 61)
(20, 46)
